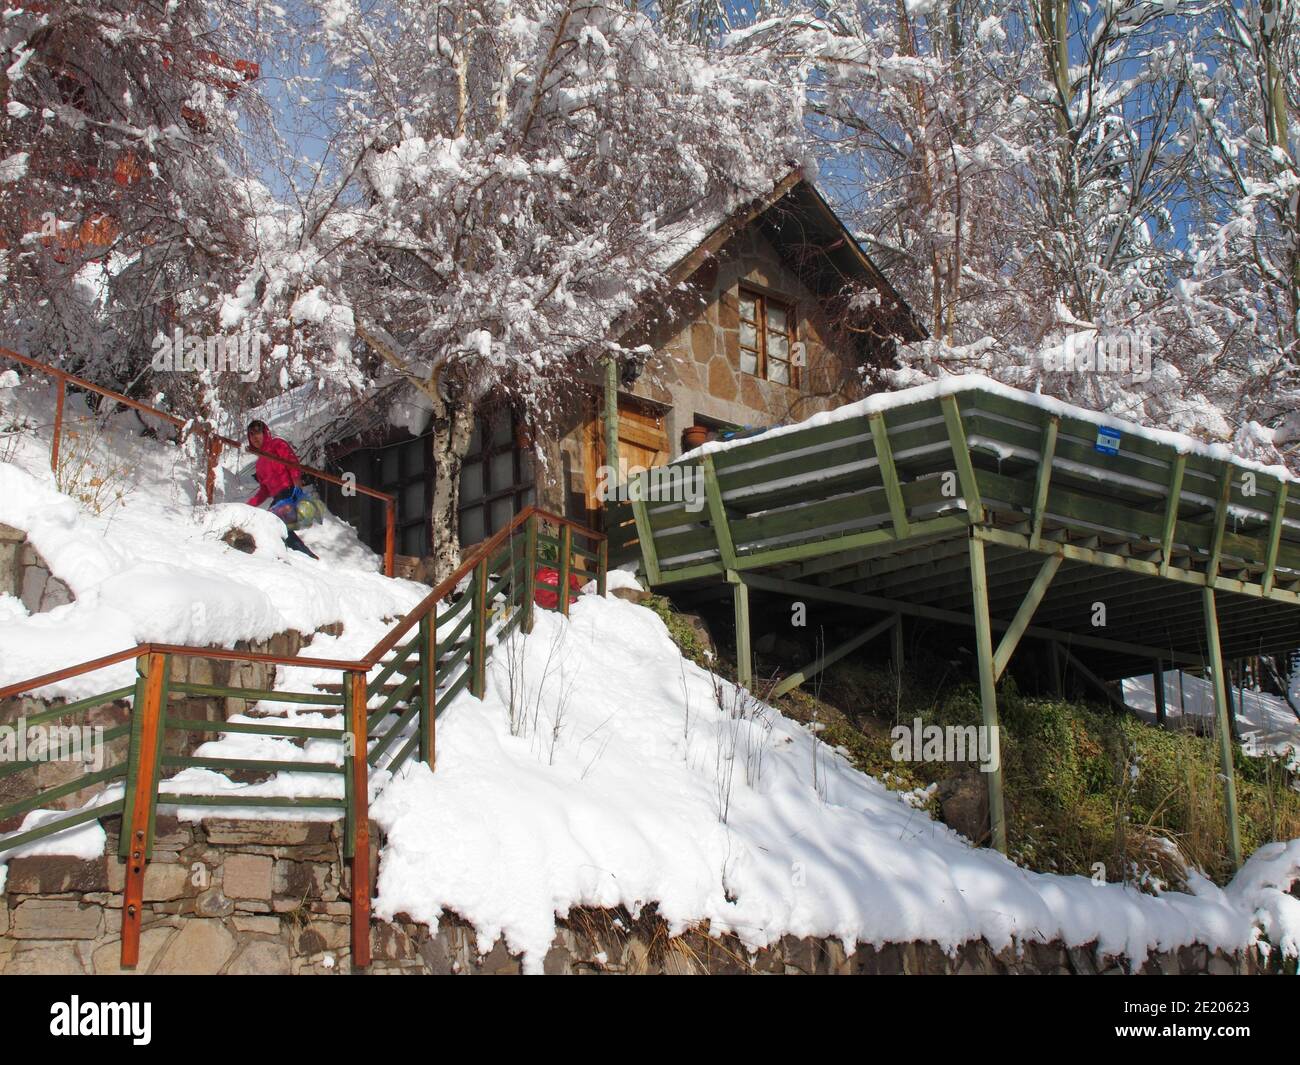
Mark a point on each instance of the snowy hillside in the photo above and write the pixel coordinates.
(145, 562)
(602, 768)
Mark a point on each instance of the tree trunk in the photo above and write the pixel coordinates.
(452, 428)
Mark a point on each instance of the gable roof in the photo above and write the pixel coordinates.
(807, 232)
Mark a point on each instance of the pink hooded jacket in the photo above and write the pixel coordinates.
(274, 477)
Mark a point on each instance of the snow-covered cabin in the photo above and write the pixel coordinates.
(775, 312)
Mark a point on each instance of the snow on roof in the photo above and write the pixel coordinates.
(959, 383)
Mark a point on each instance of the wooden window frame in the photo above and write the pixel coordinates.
(761, 301)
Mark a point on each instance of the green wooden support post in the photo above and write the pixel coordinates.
(1222, 710)
(478, 632)
(349, 770)
(566, 566)
(1043, 481)
(744, 654)
(896, 644)
(530, 574)
(133, 750)
(1220, 521)
(718, 515)
(611, 421)
(428, 684)
(1274, 535)
(1011, 638)
(961, 460)
(602, 566)
(1171, 512)
(1158, 688)
(644, 534)
(889, 475)
(988, 691)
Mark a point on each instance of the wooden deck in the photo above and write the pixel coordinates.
(987, 508)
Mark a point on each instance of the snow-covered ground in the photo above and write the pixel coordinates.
(1265, 722)
(602, 768)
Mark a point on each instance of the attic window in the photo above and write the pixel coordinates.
(767, 338)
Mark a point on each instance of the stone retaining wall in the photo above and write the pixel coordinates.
(231, 896)
(24, 574)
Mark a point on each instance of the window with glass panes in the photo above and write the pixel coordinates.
(495, 481)
(406, 470)
(767, 337)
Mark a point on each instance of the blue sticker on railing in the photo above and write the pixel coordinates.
(1107, 441)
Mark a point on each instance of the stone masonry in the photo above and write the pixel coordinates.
(272, 897)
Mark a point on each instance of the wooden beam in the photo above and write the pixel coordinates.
(744, 652)
(1094, 680)
(1222, 710)
(1171, 512)
(1044, 479)
(611, 420)
(358, 734)
(1220, 521)
(1111, 560)
(889, 475)
(1019, 623)
(1274, 536)
(988, 692)
(961, 459)
(759, 582)
(718, 515)
(141, 793)
(644, 533)
(832, 656)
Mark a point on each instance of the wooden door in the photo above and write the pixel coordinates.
(642, 441)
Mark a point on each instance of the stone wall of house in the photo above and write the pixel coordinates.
(239, 897)
(695, 367)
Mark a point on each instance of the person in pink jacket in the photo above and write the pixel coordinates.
(275, 480)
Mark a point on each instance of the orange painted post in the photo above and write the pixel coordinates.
(357, 728)
(60, 392)
(602, 565)
(146, 743)
(214, 456)
(390, 535)
(566, 565)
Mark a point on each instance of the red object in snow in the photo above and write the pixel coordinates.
(547, 591)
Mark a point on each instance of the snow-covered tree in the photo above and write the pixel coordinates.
(493, 202)
(120, 202)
